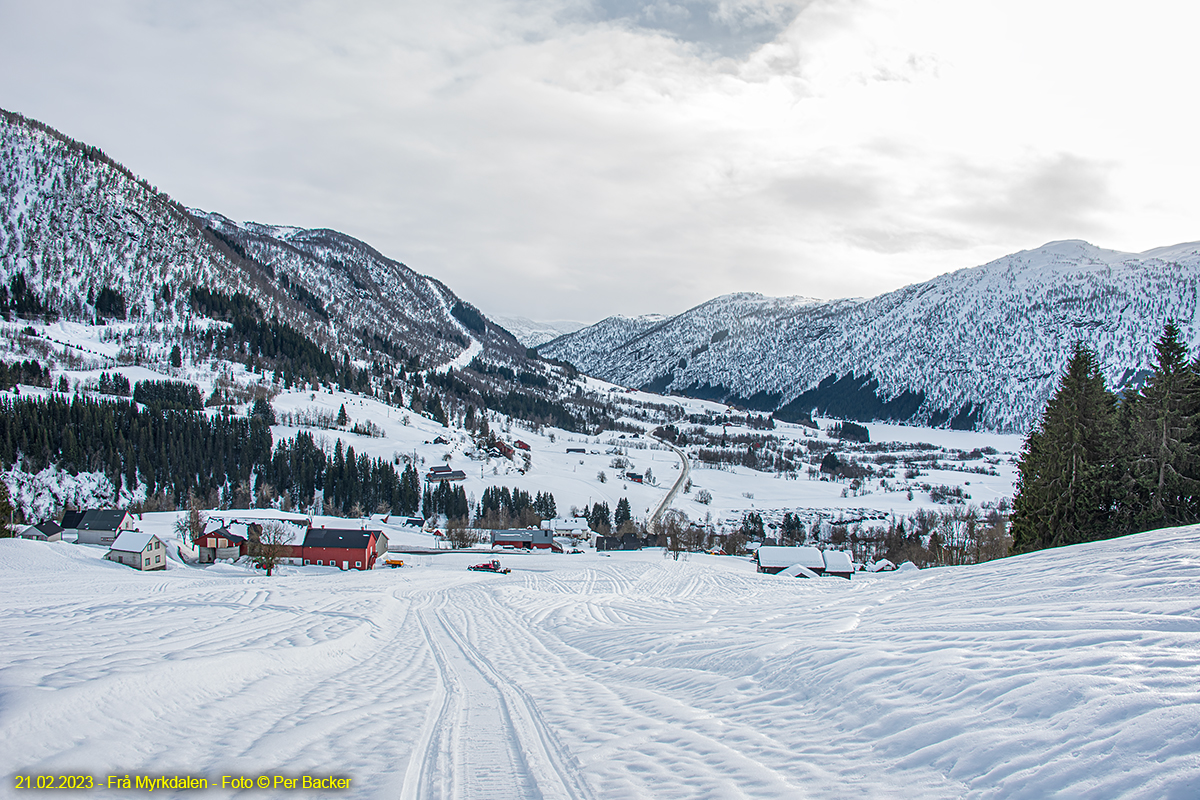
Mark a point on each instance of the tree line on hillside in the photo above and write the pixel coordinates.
(180, 454)
(1101, 465)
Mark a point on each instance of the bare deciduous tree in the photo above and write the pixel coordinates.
(270, 546)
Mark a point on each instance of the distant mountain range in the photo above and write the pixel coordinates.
(980, 347)
(74, 224)
(82, 237)
(531, 333)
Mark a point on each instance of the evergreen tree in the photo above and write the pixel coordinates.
(623, 513)
(1164, 455)
(1068, 474)
(6, 513)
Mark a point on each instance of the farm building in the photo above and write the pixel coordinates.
(440, 473)
(528, 538)
(578, 526)
(773, 560)
(139, 550)
(228, 541)
(102, 526)
(346, 548)
(48, 531)
(520, 445)
(838, 563)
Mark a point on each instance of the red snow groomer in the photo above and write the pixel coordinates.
(490, 566)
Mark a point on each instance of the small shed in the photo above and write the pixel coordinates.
(48, 531)
(772, 560)
(142, 551)
(837, 562)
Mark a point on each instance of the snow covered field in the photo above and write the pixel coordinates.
(1071, 672)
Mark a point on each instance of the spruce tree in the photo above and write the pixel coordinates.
(624, 513)
(1067, 478)
(1163, 450)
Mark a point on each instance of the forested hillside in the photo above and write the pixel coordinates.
(977, 348)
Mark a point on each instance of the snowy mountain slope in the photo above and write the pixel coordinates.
(981, 346)
(361, 289)
(73, 223)
(532, 333)
(1069, 672)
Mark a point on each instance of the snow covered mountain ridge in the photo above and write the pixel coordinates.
(979, 347)
(74, 223)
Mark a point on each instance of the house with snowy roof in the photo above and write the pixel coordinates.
(139, 550)
(345, 548)
(48, 531)
(102, 526)
(227, 541)
(773, 559)
(838, 563)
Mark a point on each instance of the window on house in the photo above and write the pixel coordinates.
(319, 562)
(358, 563)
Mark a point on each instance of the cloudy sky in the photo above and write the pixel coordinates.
(571, 159)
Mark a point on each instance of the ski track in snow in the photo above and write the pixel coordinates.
(1067, 672)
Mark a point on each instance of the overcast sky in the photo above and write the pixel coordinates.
(565, 159)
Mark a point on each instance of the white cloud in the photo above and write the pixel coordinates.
(546, 158)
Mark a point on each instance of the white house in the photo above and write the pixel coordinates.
(773, 560)
(138, 550)
(102, 526)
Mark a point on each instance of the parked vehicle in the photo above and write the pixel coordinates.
(490, 566)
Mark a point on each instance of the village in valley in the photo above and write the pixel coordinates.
(684, 475)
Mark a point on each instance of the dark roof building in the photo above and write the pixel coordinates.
(347, 548)
(48, 531)
(101, 526)
(71, 519)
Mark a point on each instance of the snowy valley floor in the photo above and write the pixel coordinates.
(1073, 672)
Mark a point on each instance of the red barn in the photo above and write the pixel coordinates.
(520, 445)
(347, 548)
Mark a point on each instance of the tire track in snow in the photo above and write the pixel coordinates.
(483, 736)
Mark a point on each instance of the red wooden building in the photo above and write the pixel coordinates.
(346, 548)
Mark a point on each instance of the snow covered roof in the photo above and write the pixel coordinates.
(773, 556)
(837, 561)
(132, 541)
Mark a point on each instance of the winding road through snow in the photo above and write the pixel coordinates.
(684, 471)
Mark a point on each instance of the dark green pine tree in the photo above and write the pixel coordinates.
(623, 513)
(1068, 476)
(1164, 455)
